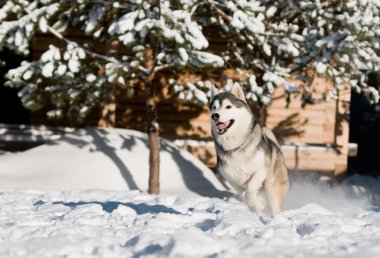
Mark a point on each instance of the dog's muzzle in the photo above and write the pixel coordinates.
(221, 128)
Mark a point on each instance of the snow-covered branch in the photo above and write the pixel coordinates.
(44, 26)
(87, 51)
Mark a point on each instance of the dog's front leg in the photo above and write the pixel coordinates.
(253, 199)
(239, 189)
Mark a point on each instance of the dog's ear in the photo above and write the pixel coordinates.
(238, 92)
(214, 91)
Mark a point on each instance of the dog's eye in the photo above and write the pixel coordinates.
(213, 107)
(228, 107)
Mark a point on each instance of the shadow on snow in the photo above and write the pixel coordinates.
(140, 208)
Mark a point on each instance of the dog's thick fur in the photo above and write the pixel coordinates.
(248, 155)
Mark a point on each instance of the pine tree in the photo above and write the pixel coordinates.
(265, 42)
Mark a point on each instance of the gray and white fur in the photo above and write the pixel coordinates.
(248, 155)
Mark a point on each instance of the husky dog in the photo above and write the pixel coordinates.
(248, 155)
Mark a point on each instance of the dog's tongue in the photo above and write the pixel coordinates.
(222, 126)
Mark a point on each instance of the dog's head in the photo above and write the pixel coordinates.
(229, 110)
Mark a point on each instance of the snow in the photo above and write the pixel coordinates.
(106, 159)
(203, 59)
(124, 24)
(74, 197)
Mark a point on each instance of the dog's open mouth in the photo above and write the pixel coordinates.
(221, 128)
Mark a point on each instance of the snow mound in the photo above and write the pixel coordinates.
(107, 159)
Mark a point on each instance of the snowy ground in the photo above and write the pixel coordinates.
(106, 159)
(320, 219)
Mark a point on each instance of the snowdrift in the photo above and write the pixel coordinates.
(106, 159)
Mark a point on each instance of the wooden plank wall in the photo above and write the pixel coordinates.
(313, 138)
(317, 137)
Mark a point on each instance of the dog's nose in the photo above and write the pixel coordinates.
(215, 116)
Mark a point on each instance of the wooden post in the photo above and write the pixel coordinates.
(342, 129)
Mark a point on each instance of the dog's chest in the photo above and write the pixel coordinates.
(238, 168)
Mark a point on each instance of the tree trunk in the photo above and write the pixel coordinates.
(154, 139)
